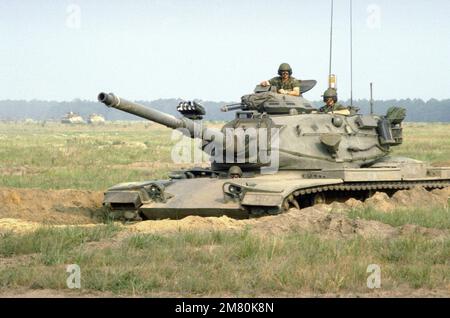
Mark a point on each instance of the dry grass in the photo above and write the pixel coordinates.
(226, 263)
(81, 157)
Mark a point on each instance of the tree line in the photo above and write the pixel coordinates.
(418, 110)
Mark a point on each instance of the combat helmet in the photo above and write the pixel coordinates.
(235, 172)
(285, 67)
(330, 93)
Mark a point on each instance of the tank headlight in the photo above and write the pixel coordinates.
(234, 189)
(337, 121)
(154, 189)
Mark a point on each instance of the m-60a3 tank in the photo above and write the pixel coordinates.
(72, 118)
(290, 155)
(96, 119)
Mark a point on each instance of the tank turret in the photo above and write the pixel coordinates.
(96, 119)
(72, 118)
(300, 137)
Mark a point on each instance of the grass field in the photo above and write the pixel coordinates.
(219, 263)
(82, 157)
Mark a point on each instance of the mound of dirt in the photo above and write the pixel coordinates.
(444, 193)
(51, 206)
(417, 197)
(328, 220)
(380, 201)
(27, 209)
(17, 226)
(321, 219)
(190, 223)
(318, 219)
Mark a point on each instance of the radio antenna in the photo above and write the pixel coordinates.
(351, 53)
(331, 37)
(371, 98)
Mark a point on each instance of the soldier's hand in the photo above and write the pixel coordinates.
(265, 83)
(282, 91)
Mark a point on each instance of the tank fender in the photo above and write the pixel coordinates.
(270, 192)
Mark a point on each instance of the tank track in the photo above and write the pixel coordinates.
(359, 186)
(307, 197)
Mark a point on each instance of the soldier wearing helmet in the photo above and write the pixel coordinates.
(331, 103)
(285, 83)
(235, 172)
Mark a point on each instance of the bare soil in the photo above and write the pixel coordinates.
(50, 207)
(27, 209)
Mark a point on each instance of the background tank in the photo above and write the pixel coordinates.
(309, 157)
(72, 118)
(96, 119)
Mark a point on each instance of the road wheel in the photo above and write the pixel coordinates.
(318, 198)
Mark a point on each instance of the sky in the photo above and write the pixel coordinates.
(219, 50)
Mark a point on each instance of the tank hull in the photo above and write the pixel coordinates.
(267, 194)
(73, 120)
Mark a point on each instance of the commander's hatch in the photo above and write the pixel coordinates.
(287, 105)
(305, 86)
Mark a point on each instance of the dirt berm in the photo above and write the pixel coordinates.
(24, 209)
(51, 206)
(329, 220)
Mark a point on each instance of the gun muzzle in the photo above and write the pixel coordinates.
(108, 99)
(227, 108)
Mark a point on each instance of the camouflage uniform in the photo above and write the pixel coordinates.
(290, 84)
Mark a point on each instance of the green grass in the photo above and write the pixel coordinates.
(427, 142)
(222, 263)
(432, 218)
(82, 157)
(51, 243)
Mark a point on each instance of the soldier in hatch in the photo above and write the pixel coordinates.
(235, 172)
(285, 83)
(331, 103)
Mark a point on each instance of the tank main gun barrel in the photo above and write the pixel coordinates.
(114, 101)
(228, 108)
(195, 129)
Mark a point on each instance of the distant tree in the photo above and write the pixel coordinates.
(417, 110)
